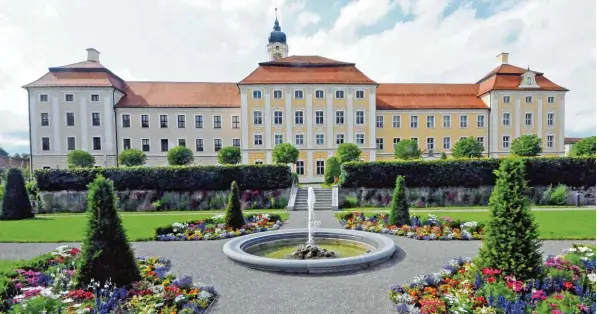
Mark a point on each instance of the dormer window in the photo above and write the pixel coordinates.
(528, 80)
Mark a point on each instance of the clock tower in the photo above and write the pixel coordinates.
(277, 47)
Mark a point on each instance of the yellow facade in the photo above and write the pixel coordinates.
(255, 157)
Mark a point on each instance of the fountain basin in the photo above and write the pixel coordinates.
(239, 250)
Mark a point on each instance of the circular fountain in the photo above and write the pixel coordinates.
(310, 251)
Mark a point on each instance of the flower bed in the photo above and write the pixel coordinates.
(431, 228)
(215, 228)
(568, 286)
(46, 285)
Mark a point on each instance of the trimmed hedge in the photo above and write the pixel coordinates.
(169, 178)
(540, 171)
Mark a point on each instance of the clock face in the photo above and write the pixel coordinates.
(277, 47)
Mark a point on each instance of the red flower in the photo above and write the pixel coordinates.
(568, 285)
(491, 279)
(74, 251)
(491, 271)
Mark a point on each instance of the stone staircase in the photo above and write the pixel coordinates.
(323, 199)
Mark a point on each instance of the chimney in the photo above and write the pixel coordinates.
(503, 58)
(93, 55)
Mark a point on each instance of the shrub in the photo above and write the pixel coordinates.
(229, 155)
(527, 145)
(407, 149)
(105, 253)
(234, 215)
(584, 147)
(332, 170)
(180, 156)
(511, 237)
(177, 178)
(540, 171)
(285, 153)
(132, 157)
(348, 152)
(80, 159)
(557, 196)
(15, 204)
(467, 148)
(399, 215)
(351, 202)
(443, 156)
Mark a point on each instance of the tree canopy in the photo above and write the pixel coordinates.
(407, 149)
(467, 148)
(285, 153)
(527, 145)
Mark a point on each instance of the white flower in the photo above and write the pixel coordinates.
(179, 299)
(592, 277)
(69, 300)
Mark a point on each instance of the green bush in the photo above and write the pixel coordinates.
(332, 169)
(407, 149)
(234, 214)
(467, 148)
(556, 196)
(350, 202)
(106, 254)
(527, 145)
(348, 152)
(285, 153)
(399, 215)
(16, 204)
(540, 171)
(584, 147)
(169, 178)
(80, 159)
(37, 305)
(180, 156)
(229, 155)
(132, 157)
(443, 156)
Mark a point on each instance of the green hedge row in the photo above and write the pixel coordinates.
(571, 171)
(172, 178)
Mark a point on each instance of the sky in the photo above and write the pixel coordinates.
(406, 41)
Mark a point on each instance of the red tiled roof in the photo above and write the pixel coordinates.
(428, 96)
(507, 77)
(572, 140)
(181, 94)
(306, 60)
(82, 79)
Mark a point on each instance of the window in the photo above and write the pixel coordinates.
(319, 167)
(258, 162)
(126, 143)
(163, 121)
(69, 97)
(506, 99)
(360, 139)
(319, 117)
(144, 121)
(258, 139)
(47, 167)
(45, 143)
(446, 142)
(278, 117)
(97, 143)
(94, 97)
(360, 94)
(396, 122)
(430, 122)
(396, 140)
(339, 139)
(199, 121)
(463, 121)
(319, 139)
(528, 99)
(506, 141)
(528, 119)
(414, 122)
(480, 121)
(145, 144)
(217, 122)
(43, 97)
(164, 144)
(256, 94)
(379, 143)
(236, 142)
(95, 119)
(379, 121)
(299, 139)
(447, 122)
(339, 94)
(550, 141)
(506, 119)
(300, 167)
(481, 140)
(360, 117)
(298, 94)
(339, 117)
(45, 119)
(257, 118)
(217, 144)
(319, 94)
(277, 94)
(551, 99)
(278, 139)
(199, 144)
(550, 118)
(181, 119)
(430, 143)
(126, 120)
(70, 143)
(236, 122)
(298, 117)
(182, 142)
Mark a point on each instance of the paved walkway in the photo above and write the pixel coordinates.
(298, 219)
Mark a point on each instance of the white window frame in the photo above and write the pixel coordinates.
(336, 117)
(296, 165)
(509, 118)
(221, 144)
(92, 146)
(302, 117)
(69, 94)
(44, 94)
(202, 121)
(356, 117)
(322, 117)
(317, 172)
(356, 94)
(232, 122)
(160, 120)
(482, 117)
(239, 142)
(506, 99)
(91, 98)
(278, 135)
(130, 141)
(553, 118)
(178, 141)
(339, 91)
(281, 117)
(396, 122)
(74, 119)
(148, 145)
(506, 142)
(280, 92)
(213, 121)
(414, 122)
(357, 139)
(449, 142)
(432, 122)
(465, 121)
(322, 137)
(73, 137)
(255, 116)
(322, 94)
(379, 125)
(448, 120)
(296, 137)
(202, 145)
(257, 94)
(379, 143)
(553, 142)
(395, 141)
(122, 120)
(531, 119)
(432, 143)
(255, 139)
(299, 92)
(336, 138)
(161, 150)
(41, 144)
(528, 99)
(100, 119)
(178, 115)
(552, 98)
(141, 120)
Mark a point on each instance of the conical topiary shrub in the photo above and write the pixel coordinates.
(399, 215)
(234, 214)
(511, 237)
(106, 254)
(16, 203)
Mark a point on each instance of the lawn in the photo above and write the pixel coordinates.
(476, 207)
(8, 265)
(568, 224)
(70, 228)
